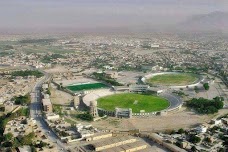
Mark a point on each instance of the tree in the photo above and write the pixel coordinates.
(2, 109)
(33, 149)
(181, 131)
(7, 144)
(48, 91)
(25, 73)
(85, 116)
(24, 121)
(101, 114)
(8, 137)
(206, 106)
(27, 139)
(194, 139)
(196, 89)
(193, 148)
(61, 133)
(8, 150)
(221, 150)
(206, 86)
(22, 100)
(211, 110)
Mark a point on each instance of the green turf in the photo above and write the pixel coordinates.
(135, 101)
(173, 79)
(89, 86)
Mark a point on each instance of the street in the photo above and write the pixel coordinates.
(36, 113)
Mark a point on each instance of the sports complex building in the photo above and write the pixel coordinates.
(92, 92)
(175, 103)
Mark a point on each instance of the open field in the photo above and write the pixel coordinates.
(88, 86)
(181, 119)
(137, 102)
(60, 97)
(76, 81)
(173, 79)
(45, 49)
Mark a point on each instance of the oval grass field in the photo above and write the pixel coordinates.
(173, 79)
(135, 101)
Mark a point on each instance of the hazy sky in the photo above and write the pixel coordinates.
(86, 14)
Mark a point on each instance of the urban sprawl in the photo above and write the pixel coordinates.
(53, 92)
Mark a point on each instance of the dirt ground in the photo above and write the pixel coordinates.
(181, 119)
(76, 80)
(3, 81)
(60, 97)
(57, 69)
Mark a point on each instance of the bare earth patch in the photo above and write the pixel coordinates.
(57, 69)
(60, 97)
(182, 119)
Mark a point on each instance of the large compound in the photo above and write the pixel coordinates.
(153, 97)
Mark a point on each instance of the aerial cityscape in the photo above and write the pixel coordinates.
(113, 84)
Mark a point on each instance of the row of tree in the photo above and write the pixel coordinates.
(85, 116)
(103, 77)
(26, 73)
(206, 106)
(22, 100)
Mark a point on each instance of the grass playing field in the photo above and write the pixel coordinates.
(135, 101)
(173, 79)
(89, 86)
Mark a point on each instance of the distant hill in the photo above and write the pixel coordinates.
(215, 21)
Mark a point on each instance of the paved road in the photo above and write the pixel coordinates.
(174, 100)
(36, 113)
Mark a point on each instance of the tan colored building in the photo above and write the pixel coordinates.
(47, 105)
(131, 147)
(113, 142)
(99, 136)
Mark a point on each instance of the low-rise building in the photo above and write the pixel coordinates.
(99, 136)
(25, 149)
(47, 105)
(112, 142)
(52, 116)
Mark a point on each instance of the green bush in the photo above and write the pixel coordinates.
(181, 131)
(25, 73)
(206, 106)
(2, 109)
(103, 77)
(206, 86)
(85, 116)
(27, 139)
(194, 139)
(22, 100)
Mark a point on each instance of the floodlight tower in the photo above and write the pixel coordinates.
(93, 108)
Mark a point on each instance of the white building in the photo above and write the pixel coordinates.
(138, 88)
(52, 116)
(202, 129)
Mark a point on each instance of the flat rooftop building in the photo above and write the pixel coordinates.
(131, 147)
(47, 105)
(113, 142)
(99, 136)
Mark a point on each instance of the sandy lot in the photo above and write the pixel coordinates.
(60, 97)
(57, 69)
(181, 119)
(126, 77)
(3, 81)
(210, 94)
(76, 80)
